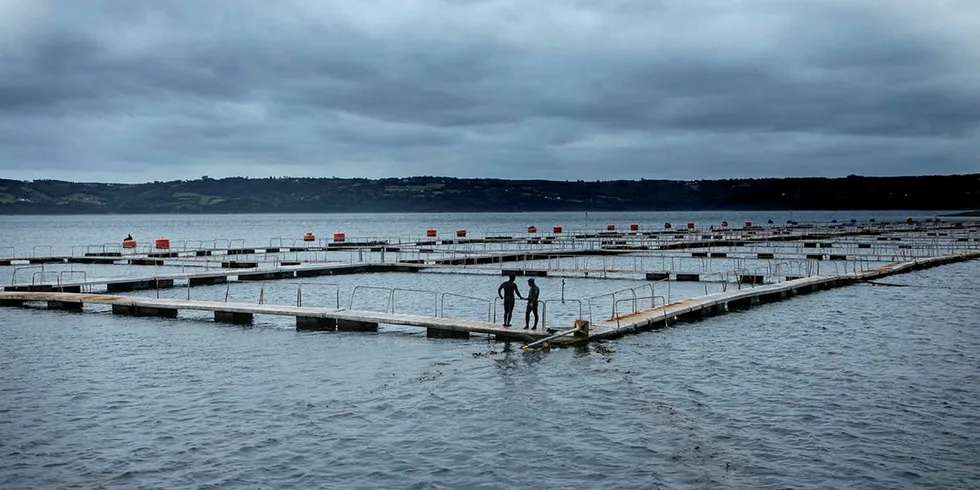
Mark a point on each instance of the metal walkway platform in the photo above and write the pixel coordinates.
(718, 303)
(219, 276)
(307, 318)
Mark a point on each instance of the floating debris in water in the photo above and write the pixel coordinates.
(600, 348)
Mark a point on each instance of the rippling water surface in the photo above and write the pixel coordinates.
(860, 387)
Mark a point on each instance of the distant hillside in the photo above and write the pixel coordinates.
(437, 194)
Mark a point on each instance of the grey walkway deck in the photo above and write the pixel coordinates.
(217, 276)
(340, 319)
(711, 304)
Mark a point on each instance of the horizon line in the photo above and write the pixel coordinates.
(641, 179)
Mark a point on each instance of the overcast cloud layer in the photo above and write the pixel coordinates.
(138, 90)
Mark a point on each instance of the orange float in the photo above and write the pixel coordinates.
(461, 233)
(339, 236)
(161, 243)
(308, 237)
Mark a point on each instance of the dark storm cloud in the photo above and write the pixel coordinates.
(145, 90)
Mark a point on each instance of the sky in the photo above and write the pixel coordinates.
(145, 90)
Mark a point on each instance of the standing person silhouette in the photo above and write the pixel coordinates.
(506, 292)
(532, 304)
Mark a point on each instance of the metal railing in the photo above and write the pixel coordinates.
(262, 294)
(42, 274)
(350, 304)
(280, 242)
(439, 299)
(723, 280)
(61, 276)
(653, 301)
(89, 248)
(758, 271)
(613, 294)
(42, 247)
(779, 268)
(435, 298)
(299, 292)
(736, 275)
(115, 247)
(13, 275)
(442, 303)
(837, 267)
(544, 309)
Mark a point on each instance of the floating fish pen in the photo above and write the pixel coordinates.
(673, 273)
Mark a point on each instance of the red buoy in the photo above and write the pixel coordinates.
(634, 227)
(430, 232)
(339, 236)
(556, 228)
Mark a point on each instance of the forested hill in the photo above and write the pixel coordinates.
(437, 194)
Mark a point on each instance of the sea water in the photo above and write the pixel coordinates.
(859, 387)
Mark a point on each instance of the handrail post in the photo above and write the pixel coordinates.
(590, 310)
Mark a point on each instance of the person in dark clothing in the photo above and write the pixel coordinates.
(532, 304)
(128, 237)
(506, 291)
